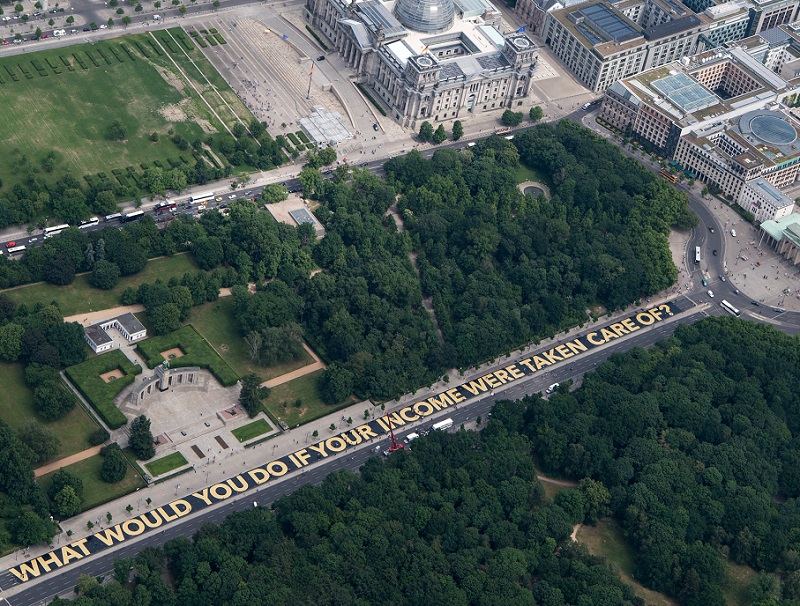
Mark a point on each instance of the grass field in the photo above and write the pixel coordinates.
(523, 173)
(216, 323)
(81, 297)
(95, 491)
(165, 464)
(737, 582)
(281, 400)
(251, 430)
(17, 407)
(607, 540)
(66, 99)
(197, 352)
(100, 395)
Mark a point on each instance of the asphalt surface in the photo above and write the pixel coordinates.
(694, 304)
(63, 581)
(93, 13)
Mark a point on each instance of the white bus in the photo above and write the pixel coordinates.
(15, 250)
(114, 217)
(442, 425)
(200, 197)
(697, 255)
(90, 223)
(49, 232)
(134, 216)
(730, 308)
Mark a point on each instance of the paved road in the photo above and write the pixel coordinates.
(102, 565)
(63, 581)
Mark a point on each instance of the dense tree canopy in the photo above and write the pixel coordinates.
(504, 268)
(697, 441)
(461, 521)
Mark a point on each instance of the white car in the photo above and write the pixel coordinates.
(711, 294)
(201, 207)
(552, 388)
(232, 197)
(733, 233)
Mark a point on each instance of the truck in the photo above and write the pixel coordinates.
(443, 425)
(411, 437)
(59, 32)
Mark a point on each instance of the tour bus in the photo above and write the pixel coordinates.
(15, 250)
(203, 196)
(442, 425)
(114, 217)
(668, 175)
(169, 205)
(90, 223)
(697, 255)
(730, 308)
(134, 216)
(49, 232)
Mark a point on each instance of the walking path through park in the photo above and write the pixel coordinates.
(554, 482)
(300, 372)
(92, 317)
(55, 465)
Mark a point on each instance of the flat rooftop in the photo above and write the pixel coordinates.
(130, 323)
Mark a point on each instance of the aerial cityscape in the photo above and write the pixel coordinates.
(413, 302)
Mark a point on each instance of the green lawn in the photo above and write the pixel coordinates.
(281, 401)
(165, 464)
(100, 395)
(17, 407)
(81, 297)
(197, 352)
(608, 541)
(216, 323)
(523, 173)
(737, 582)
(251, 430)
(68, 105)
(95, 491)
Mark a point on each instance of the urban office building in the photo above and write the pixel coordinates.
(720, 117)
(605, 41)
(429, 59)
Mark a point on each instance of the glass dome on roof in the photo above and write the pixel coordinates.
(427, 16)
(772, 129)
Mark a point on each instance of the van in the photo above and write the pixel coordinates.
(442, 425)
(411, 437)
(733, 233)
(586, 106)
(552, 388)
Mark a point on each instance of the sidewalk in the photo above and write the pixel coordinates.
(225, 462)
(56, 465)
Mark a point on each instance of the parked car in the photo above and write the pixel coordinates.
(714, 252)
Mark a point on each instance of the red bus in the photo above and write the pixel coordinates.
(166, 206)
